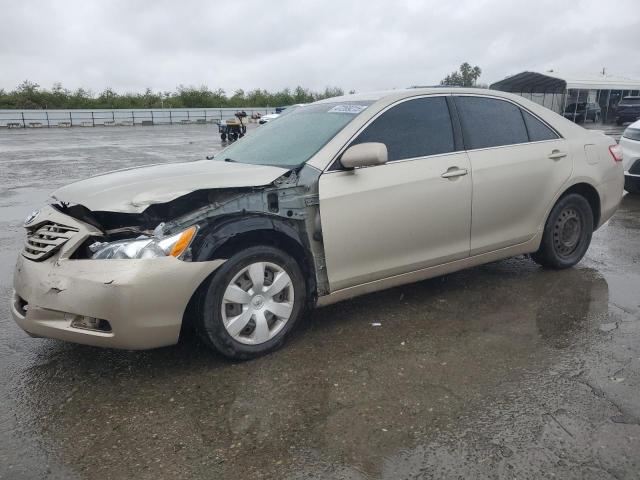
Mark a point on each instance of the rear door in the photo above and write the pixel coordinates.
(402, 216)
(519, 164)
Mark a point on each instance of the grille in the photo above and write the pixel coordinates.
(46, 240)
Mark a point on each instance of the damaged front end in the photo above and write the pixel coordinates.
(204, 225)
(135, 304)
(123, 279)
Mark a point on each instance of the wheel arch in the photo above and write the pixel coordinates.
(590, 193)
(222, 238)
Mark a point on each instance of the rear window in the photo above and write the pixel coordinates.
(490, 122)
(631, 101)
(537, 130)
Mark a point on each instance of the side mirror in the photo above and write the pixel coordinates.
(365, 155)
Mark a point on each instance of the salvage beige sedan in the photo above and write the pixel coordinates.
(340, 198)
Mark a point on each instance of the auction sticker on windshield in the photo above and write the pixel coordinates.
(347, 108)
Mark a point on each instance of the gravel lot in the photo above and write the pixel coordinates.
(501, 371)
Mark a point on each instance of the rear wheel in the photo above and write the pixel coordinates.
(251, 303)
(223, 136)
(567, 233)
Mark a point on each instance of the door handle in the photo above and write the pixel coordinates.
(557, 155)
(454, 172)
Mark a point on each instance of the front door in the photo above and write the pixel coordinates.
(411, 213)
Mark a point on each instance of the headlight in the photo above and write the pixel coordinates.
(145, 247)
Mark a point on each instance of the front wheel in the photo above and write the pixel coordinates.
(252, 303)
(567, 233)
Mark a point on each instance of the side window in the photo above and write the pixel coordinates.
(489, 122)
(414, 128)
(538, 131)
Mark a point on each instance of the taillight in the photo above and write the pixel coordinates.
(616, 152)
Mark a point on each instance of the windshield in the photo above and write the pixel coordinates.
(631, 101)
(293, 138)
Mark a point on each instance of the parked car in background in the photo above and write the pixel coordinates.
(339, 198)
(279, 112)
(272, 116)
(582, 111)
(628, 110)
(267, 118)
(630, 143)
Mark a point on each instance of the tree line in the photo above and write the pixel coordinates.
(29, 95)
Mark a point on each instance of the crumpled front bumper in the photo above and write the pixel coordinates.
(143, 300)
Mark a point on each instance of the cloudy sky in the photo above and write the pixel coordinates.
(363, 45)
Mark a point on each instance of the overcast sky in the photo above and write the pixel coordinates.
(363, 45)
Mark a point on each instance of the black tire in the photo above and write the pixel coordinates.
(233, 137)
(208, 319)
(567, 233)
(223, 136)
(632, 185)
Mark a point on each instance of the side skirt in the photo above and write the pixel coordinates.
(430, 272)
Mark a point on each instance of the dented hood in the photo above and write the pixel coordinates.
(133, 190)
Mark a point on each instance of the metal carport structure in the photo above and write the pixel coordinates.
(555, 91)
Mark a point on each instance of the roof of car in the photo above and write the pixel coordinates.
(408, 92)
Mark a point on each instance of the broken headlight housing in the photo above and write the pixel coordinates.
(176, 245)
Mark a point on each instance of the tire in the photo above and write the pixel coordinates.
(567, 233)
(632, 185)
(220, 316)
(233, 137)
(223, 136)
(619, 121)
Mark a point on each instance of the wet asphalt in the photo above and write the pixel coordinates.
(501, 371)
